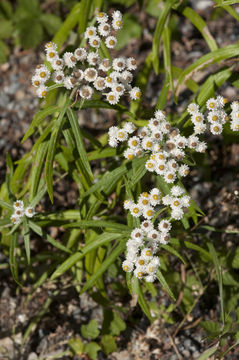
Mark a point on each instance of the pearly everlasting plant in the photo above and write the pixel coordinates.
(123, 201)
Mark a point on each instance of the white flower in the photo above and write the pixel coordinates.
(221, 101)
(212, 104)
(185, 200)
(58, 77)
(197, 118)
(155, 197)
(128, 204)
(15, 219)
(105, 65)
(86, 92)
(80, 54)
(148, 212)
(159, 115)
(129, 127)
(50, 46)
(138, 273)
(102, 17)
(202, 146)
(122, 135)
(104, 29)
(113, 142)
(18, 205)
(143, 132)
(177, 214)
(234, 125)
(193, 108)
(99, 83)
(90, 74)
(181, 141)
(110, 42)
(93, 58)
(95, 42)
(154, 235)
(127, 266)
(137, 233)
(117, 24)
(150, 278)
(69, 59)
(135, 210)
(119, 64)
(43, 72)
(127, 76)
(150, 165)
(112, 98)
(118, 89)
(235, 106)
(164, 238)
(131, 63)
(42, 91)
(193, 141)
(216, 128)
(135, 93)
(117, 14)
(200, 128)
(167, 200)
(90, 32)
(147, 143)
(146, 226)
(57, 64)
(164, 226)
(169, 176)
(69, 82)
(177, 190)
(183, 170)
(19, 212)
(129, 154)
(146, 253)
(51, 55)
(29, 211)
(37, 80)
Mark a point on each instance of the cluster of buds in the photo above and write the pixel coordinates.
(144, 243)
(85, 71)
(20, 211)
(163, 142)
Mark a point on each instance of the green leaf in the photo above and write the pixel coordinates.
(235, 260)
(84, 14)
(65, 29)
(112, 324)
(200, 24)
(37, 167)
(26, 235)
(80, 146)
(206, 354)
(158, 32)
(108, 344)
(13, 257)
(130, 30)
(137, 289)
(164, 284)
(219, 278)
(92, 349)
(4, 52)
(104, 266)
(56, 131)
(30, 32)
(76, 345)
(192, 246)
(73, 259)
(174, 252)
(6, 29)
(99, 223)
(50, 22)
(90, 331)
(41, 115)
(6, 205)
(214, 56)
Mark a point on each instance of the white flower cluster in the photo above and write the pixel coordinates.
(165, 144)
(216, 116)
(20, 211)
(85, 70)
(235, 116)
(144, 242)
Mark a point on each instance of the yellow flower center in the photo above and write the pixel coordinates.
(121, 134)
(138, 94)
(42, 74)
(140, 274)
(161, 167)
(135, 210)
(152, 157)
(211, 105)
(109, 79)
(216, 128)
(176, 203)
(145, 202)
(134, 142)
(111, 42)
(101, 14)
(215, 118)
(49, 45)
(198, 118)
(186, 172)
(145, 194)
(30, 211)
(111, 97)
(90, 32)
(148, 253)
(170, 176)
(118, 23)
(161, 156)
(51, 54)
(118, 88)
(126, 268)
(141, 262)
(149, 144)
(95, 42)
(149, 213)
(150, 269)
(43, 93)
(130, 156)
(155, 197)
(36, 83)
(150, 165)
